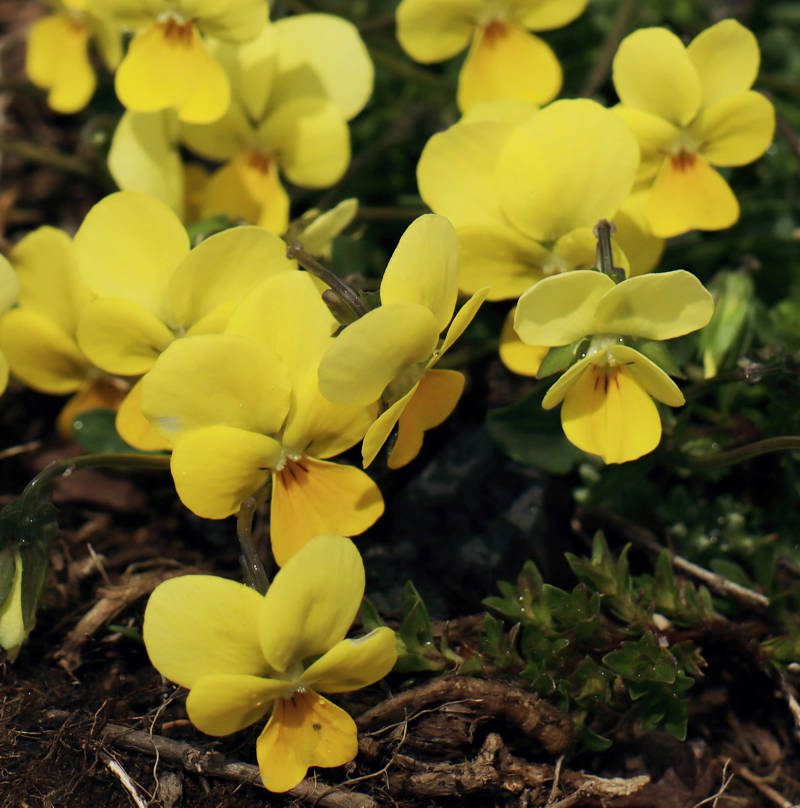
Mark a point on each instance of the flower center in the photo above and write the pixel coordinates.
(683, 161)
(176, 31)
(601, 349)
(258, 161)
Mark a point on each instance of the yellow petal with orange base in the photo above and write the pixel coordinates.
(248, 188)
(306, 730)
(98, 394)
(167, 65)
(607, 413)
(688, 194)
(434, 399)
(134, 428)
(518, 357)
(312, 497)
(506, 61)
(57, 60)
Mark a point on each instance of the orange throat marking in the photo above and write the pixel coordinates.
(259, 161)
(495, 31)
(683, 161)
(178, 33)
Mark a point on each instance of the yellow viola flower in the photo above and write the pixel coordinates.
(388, 354)
(57, 56)
(524, 190)
(243, 656)
(607, 406)
(504, 59)
(168, 64)
(38, 337)
(149, 288)
(293, 90)
(691, 108)
(243, 408)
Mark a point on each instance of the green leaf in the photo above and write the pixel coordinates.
(533, 436)
(96, 433)
(417, 651)
(557, 360)
(369, 615)
(659, 353)
(639, 662)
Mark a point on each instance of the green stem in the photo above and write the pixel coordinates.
(254, 573)
(750, 373)
(53, 159)
(601, 68)
(605, 254)
(748, 452)
(407, 70)
(60, 468)
(309, 263)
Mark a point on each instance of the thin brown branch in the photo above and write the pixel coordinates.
(213, 764)
(647, 539)
(529, 713)
(602, 67)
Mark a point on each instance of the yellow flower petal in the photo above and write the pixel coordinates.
(649, 376)
(456, 173)
(222, 270)
(57, 60)
(557, 392)
(41, 354)
(726, 59)
(500, 258)
(251, 69)
(128, 245)
(382, 427)
(430, 31)
(223, 703)
(311, 497)
(544, 15)
(134, 428)
(506, 61)
(655, 136)
(46, 278)
(201, 625)
(573, 151)
(607, 413)
(322, 54)
(464, 316)
(657, 306)
(735, 130)
(515, 354)
(643, 249)
(310, 139)
(374, 350)
(217, 467)
(12, 624)
(434, 399)
(9, 285)
(3, 373)
(144, 156)
(312, 601)
(223, 139)
(560, 309)
(287, 313)
(216, 379)
(248, 188)
(121, 336)
(318, 427)
(353, 664)
(423, 268)
(167, 65)
(652, 72)
(688, 194)
(306, 730)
